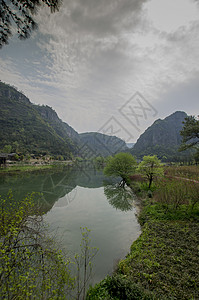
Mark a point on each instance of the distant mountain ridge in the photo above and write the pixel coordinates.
(36, 129)
(162, 138)
(102, 144)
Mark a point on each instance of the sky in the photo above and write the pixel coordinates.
(112, 66)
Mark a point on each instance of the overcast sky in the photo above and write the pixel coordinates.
(113, 66)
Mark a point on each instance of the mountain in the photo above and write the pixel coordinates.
(162, 138)
(60, 127)
(30, 128)
(35, 129)
(97, 144)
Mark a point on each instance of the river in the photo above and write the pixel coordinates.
(82, 197)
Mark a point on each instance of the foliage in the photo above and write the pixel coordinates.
(7, 149)
(26, 128)
(151, 168)
(118, 287)
(15, 169)
(164, 260)
(121, 164)
(20, 13)
(30, 265)
(173, 193)
(166, 153)
(190, 133)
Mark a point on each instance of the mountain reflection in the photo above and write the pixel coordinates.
(118, 197)
(54, 185)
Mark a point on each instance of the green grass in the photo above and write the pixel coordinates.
(26, 168)
(152, 212)
(165, 259)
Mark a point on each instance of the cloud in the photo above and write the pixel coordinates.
(88, 59)
(169, 16)
(92, 17)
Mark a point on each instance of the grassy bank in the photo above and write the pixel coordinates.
(20, 168)
(163, 261)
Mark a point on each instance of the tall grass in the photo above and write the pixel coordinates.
(190, 172)
(173, 192)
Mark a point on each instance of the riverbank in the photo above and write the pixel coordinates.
(33, 167)
(163, 261)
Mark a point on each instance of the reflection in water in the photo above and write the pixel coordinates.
(75, 197)
(118, 197)
(53, 185)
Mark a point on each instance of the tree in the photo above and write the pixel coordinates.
(121, 164)
(150, 167)
(7, 149)
(19, 13)
(30, 266)
(83, 264)
(190, 133)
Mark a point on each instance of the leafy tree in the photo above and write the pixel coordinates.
(16, 146)
(150, 167)
(121, 164)
(7, 149)
(30, 266)
(190, 133)
(19, 13)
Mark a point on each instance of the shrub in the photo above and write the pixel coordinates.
(30, 265)
(118, 287)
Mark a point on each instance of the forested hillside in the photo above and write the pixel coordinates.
(35, 129)
(163, 139)
(28, 131)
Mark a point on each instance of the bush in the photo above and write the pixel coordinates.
(30, 265)
(118, 287)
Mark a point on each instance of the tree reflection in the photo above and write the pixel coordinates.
(118, 197)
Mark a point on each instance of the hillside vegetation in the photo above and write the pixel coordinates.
(163, 139)
(26, 130)
(35, 129)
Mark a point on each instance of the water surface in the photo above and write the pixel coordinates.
(78, 197)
